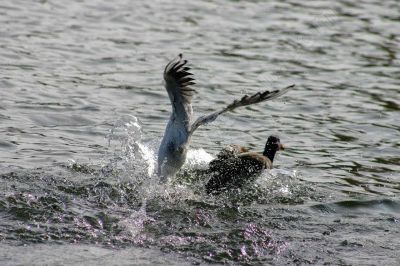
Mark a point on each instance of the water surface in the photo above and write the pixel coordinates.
(82, 109)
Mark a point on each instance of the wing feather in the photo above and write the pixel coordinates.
(177, 83)
(257, 98)
(244, 101)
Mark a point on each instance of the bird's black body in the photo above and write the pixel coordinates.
(236, 166)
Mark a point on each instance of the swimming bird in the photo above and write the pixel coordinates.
(180, 128)
(236, 165)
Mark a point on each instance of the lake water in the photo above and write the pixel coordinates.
(83, 108)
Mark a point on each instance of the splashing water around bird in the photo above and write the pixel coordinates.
(134, 159)
(133, 152)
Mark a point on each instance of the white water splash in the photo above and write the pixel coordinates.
(148, 156)
(136, 155)
(134, 159)
(277, 181)
(198, 158)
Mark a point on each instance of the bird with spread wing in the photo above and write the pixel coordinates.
(180, 127)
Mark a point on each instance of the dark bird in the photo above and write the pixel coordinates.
(180, 127)
(236, 166)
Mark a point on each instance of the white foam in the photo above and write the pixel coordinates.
(198, 158)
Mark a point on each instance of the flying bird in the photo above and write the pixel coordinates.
(180, 128)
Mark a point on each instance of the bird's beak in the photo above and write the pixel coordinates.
(281, 147)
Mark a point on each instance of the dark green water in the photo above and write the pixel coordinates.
(83, 108)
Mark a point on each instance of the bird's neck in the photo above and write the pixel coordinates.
(269, 153)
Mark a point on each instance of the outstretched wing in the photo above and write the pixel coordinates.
(246, 100)
(177, 83)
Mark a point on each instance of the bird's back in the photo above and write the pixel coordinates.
(232, 169)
